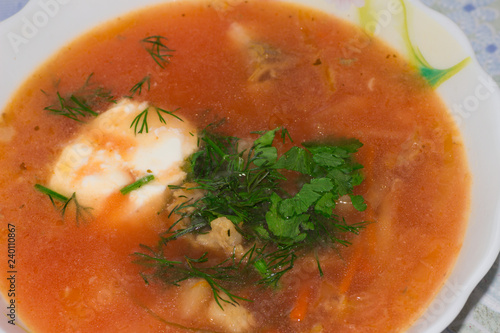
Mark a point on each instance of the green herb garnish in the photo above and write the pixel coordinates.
(159, 111)
(142, 119)
(74, 108)
(53, 195)
(137, 88)
(81, 103)
(231, 271)
(137, 184)
(177, 271)
(62, 203)
(156, 48)
(246, 187)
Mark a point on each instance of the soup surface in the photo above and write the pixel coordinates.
(248, 66)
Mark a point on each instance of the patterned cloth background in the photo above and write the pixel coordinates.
(480, 20)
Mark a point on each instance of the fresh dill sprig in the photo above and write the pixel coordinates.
(137, 88)
(81, 103)
(73, 108)
(156, 48)
(82, 213)
(230, 271)
(142, 119)
(135, 123)
(176, 271)
(62, 203)
(159, 111)
(272, 265)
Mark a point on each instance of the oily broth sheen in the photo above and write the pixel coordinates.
(81, 278)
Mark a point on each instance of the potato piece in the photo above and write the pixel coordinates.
(223, 236)
(194, 297)
(234, 318)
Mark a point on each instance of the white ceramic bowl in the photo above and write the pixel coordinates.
(427, 38)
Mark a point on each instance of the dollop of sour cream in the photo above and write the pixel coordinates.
(108, 154)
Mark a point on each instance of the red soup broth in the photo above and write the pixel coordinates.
(81, 277)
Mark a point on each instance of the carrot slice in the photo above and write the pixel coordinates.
(345, 284)
(299, 310)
